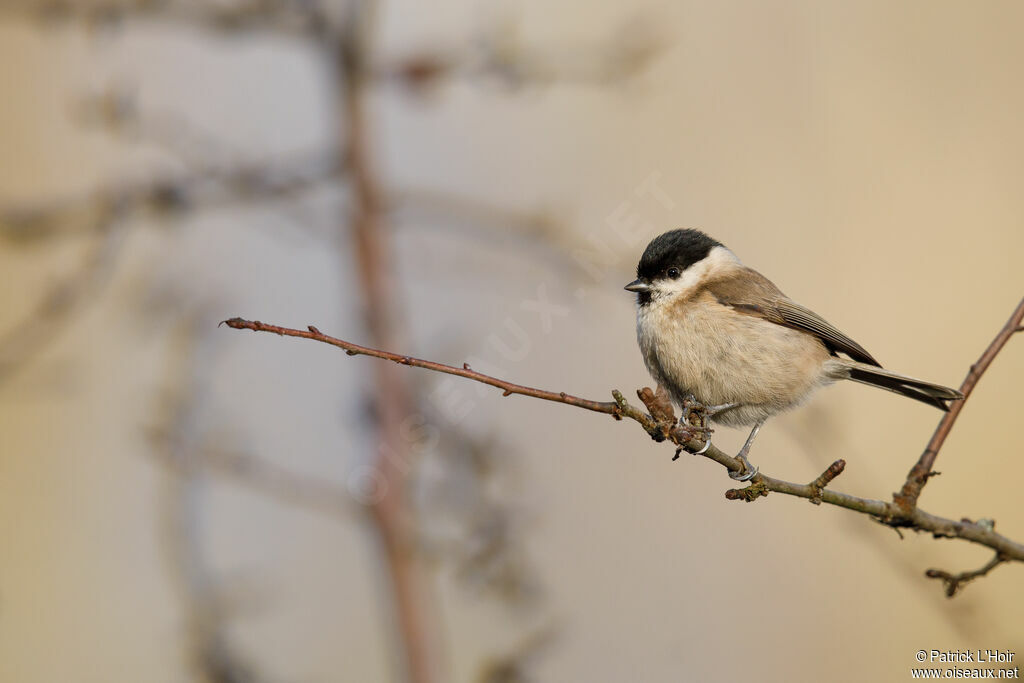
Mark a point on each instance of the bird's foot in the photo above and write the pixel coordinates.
(692, 413)
(696, 414)
(749, 471)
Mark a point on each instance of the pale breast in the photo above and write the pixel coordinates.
(721, 356)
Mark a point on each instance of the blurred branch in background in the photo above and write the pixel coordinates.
(57, 306)
(542, 229)
(103, 219)
(515, 665)
(501, 54)
(468, 518)
(292, 17)
(212, 175)
(498, 53)
(661, 424)
(183, 411)
(388, 499)
(267, 477)
(169, 196)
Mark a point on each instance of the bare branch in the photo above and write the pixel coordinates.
(691, 440)
(921, 472)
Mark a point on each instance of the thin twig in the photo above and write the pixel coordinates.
(606, 407)
(888, 513)
(954, 582)
(921, 472)
(819, 484)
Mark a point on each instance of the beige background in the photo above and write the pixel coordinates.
(867, 157)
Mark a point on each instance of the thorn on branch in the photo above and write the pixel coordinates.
(826, 477)
(314, 330)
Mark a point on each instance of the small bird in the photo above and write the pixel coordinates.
(714, 330)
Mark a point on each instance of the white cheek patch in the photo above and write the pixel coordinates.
(717, 258)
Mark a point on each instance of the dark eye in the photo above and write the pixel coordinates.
(672, 272)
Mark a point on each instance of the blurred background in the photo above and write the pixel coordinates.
(474, 182)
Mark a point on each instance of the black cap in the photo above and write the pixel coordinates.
(680, 248)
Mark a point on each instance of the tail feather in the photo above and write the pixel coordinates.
(917, 389)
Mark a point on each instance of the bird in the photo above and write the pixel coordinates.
(713, 330)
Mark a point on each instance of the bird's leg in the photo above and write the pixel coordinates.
(749, 471)
(711, 411)
(691, 407)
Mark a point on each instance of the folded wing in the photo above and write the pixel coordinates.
(754, 294)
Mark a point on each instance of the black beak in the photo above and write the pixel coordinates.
(638, 285)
